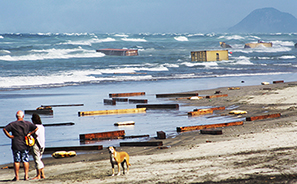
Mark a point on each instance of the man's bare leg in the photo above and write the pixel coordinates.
(16, 170)
(26, 170)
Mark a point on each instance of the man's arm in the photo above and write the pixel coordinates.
(30, 133)
(7, 134)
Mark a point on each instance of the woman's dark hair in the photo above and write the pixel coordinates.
(36, 119)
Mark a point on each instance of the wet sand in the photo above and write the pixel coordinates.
(257, 151)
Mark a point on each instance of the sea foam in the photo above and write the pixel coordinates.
(181, 38)
(54, 54)
(231, 37)
(134, 39)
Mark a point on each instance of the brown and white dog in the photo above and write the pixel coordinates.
(118, 158)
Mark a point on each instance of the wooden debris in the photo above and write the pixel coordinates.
(217, 108)
(74, 148)
(200, 112)
(65, 105)
(103, 135)
(44, 108)
(120, 99)
(161, 135)
(263, 117)
(150, 143)
(114, 111)
(190, 98)
(59, 124)
(176, 95)
(217, 96)
(199, 127)
(109, 102)
(138, 100)
(158, 106)
(7, 167)
(280, 81)
(126, 94)
(197, 112)
(40, 111)
(233, 88)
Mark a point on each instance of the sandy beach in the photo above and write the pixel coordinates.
(261, 151)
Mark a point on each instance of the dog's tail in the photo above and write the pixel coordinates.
(128, 163)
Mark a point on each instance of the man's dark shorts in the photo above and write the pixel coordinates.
(21, 156)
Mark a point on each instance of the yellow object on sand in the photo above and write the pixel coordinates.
(62, 154)
(195, 97)
(238, 112)
(264, 83)
(124, 123)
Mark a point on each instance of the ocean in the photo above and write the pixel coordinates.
(64, 68)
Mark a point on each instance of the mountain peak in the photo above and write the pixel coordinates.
(266, 20)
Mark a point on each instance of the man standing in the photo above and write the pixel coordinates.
(19, 129)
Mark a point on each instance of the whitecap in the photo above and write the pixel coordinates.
(287, 57)
(263, 49)
(5, 51)
(121, 35)
(75, 34)
(271, 49)
(252, 74)
(211, 34)
(232, 37)
(89, 41)
(243, 60)
(134, 39)
(205, 64)
(118, 70)
(171, 65)
(255, 37)
(283, 64)
(44, 34)
(264, 58)
(54, 54)
(283, 43)
(181, 38)
(68, 78)
(197, 34)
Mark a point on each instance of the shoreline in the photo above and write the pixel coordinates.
(193, 157)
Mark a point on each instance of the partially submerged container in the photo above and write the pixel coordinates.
(119, 52)
(255, 45)
(209, 55)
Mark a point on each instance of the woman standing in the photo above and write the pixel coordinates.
(39, 146)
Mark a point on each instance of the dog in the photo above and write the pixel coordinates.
(118, 158)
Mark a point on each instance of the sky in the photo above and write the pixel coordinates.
(129, 16)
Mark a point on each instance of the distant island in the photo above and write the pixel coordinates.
(266, 20)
